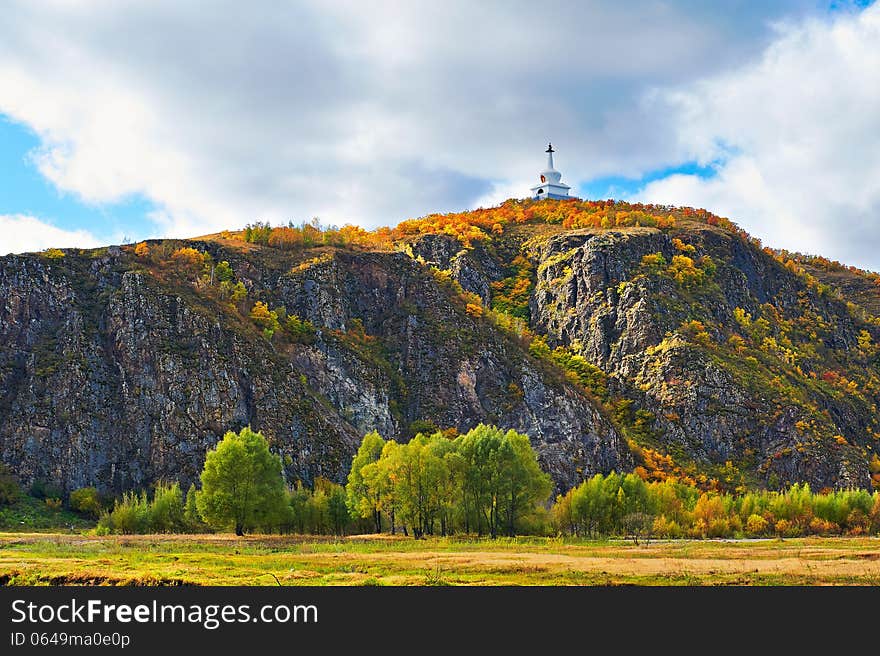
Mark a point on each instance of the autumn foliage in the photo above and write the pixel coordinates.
(484, 224)
(627, 504)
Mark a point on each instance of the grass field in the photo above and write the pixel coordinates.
(54, 558)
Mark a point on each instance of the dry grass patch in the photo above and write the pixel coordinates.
(383, 560)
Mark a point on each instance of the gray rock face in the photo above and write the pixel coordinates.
(116, 376)
(589, 296)
(128, 385)
(110, 377)
(474, 269)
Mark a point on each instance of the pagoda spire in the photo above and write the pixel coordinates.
(551, 185)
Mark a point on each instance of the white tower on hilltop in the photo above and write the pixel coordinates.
(550, 186)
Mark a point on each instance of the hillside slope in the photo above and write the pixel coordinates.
(616, 336)
(112, 375)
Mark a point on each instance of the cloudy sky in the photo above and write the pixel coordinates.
(132, 119)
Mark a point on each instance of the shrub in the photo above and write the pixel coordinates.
(167, 509)
(43, 490)
(654, 261)
(9, 489)
(756, 525)
(821, 526)
(187, 262)
(666, 528)
(191, 517)
(223, 272)
(785, 529)
(685, 272)
(87, 501)
(265, 318)
(474, 310)
(130, 514)
(299, 331)
(719, 528)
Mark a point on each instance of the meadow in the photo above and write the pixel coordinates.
(84, 559)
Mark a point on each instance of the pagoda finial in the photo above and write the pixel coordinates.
(551, 181)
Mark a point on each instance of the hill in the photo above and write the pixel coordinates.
(618, 336)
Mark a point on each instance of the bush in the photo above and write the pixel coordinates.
(187, 262)
(300, 331)
(223, 272)
(43, 490)
(820, 526)
(785, 529)
(167, 509)
(756, 525)
(9, 489)
(265, 318)
(130, 514)
(86, 500)
(191, 517)
(719, 528)
(666, 528)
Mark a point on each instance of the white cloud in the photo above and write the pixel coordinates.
(795, 137)
(24, 234)
(501, 191)
(364, 112)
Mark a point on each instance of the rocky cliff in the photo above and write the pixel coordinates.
(608, 346)
(742, 363)
(114, 376)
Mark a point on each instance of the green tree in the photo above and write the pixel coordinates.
(167, 508)
(337, 509)
(378, 479)
(265, 318)
(300, 331)
(446, 487)
(523, 483)
(418, 473)
(191, 516)
(223, 272)
(242, 482)
(502, 477)
(298, 500)
(8, 486)
(86, 500)
(237, 292)
(362, 500)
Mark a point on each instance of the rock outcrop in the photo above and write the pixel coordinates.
(595, 293)
(112, 377)
(118, 372)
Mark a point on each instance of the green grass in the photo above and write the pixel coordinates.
(41, 559)
(28, 514)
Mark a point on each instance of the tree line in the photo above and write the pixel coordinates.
(485, 482)
(627, 505)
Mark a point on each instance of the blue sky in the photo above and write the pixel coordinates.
(155, 119)
(623, 187)
(24, 190)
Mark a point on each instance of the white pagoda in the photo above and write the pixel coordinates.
(550, 186)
